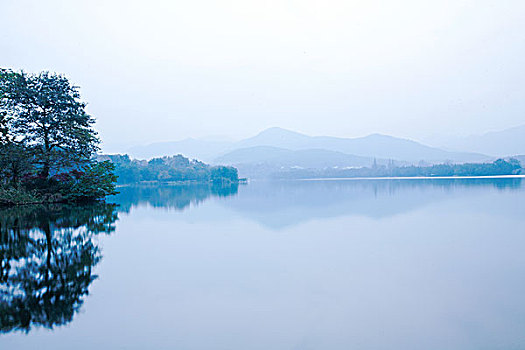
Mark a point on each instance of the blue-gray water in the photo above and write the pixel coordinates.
(386, 264)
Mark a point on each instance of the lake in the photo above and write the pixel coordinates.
(355, 264)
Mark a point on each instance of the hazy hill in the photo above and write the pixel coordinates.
(521, 159)
(375, 145)
(308, 158)
(372, 146)
(191, 148)
(498, 143)
(277, 137)
(263, 161)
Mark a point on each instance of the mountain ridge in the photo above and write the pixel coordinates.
(374, 145)
(506, 142)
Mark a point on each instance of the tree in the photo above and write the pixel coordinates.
(10, 84)
(221, 174)
(14, 157)
(15, 163)
(96, 182)
(44, 112)
(47, 142)
(3, 128)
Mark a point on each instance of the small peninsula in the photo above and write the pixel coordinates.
(48, 148)
(176, 168)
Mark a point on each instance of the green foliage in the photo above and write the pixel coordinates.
(47, 142)
(222, 174)
(168, 169)
(15, 163)
(96, 182)
(46, 113)
(15, 196)
(3, 128)
(499, 167)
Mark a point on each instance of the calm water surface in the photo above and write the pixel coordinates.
(383, 264)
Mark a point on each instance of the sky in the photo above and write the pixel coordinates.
(167, 70)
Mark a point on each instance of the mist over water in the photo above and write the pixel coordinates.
(292, 175)
(369, 264)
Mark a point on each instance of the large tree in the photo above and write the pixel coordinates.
(15, 158)
(44, 112)
(9, 83)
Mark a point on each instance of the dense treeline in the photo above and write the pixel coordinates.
(499, 167)
(169, 169)
(47, 142)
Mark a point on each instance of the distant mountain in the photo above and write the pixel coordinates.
(338, 151)
(261, 161)
(520, 158)
(277, 137)
(309, 158)
(375, 145)
(191, 148)
(498, 143)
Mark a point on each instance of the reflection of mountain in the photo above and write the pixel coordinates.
(278, 204)
(284, 203)
(47, 253)
(175, 196)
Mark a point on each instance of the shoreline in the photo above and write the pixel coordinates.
(181, 183)
(414, 178)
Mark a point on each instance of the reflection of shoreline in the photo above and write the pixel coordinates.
(282, 203)
(171, 196)
(413, 178)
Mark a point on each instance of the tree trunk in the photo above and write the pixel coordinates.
(45, 169)
(47, 151)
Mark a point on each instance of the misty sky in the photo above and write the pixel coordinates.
(166, 70)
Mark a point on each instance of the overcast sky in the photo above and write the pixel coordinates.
(166, 70)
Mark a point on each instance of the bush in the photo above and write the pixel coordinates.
(224, 174)
(96, 181)
(15, 196)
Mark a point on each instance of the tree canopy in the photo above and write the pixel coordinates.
(44, 111)
(169, 169)
(47, 139)
(496, 168)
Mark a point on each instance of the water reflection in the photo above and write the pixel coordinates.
(278, 205)
(177, 197)
(47, 255)
(276, 196)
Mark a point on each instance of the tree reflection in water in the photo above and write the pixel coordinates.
(47, 252)
(47, 255)
(171, 196)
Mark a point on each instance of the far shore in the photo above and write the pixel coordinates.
(241, 181)
(413, 178)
